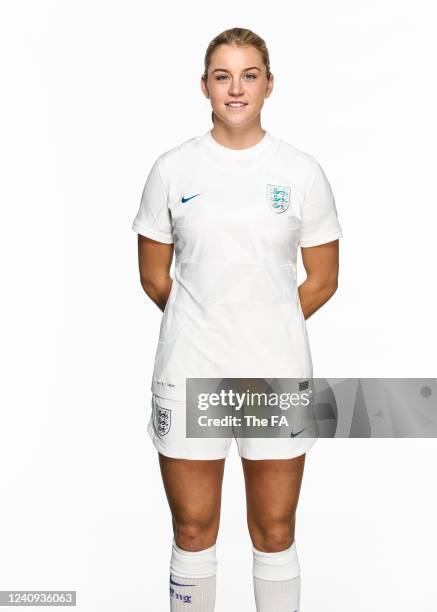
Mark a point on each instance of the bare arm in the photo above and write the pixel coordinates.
(154, 260)
(321, 265)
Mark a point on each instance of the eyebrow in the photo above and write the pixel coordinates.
(245, 69)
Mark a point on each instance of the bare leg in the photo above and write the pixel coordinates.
(193, 489)
(272, 494)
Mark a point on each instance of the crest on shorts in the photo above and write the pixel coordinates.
(161, 419)
(278, 197)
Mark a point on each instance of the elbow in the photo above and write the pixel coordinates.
(326, 286)
(330, 288)
(146, 285)
(149, 285)
(155, 287)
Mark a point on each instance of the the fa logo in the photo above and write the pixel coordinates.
(161, 419)
(278, 197)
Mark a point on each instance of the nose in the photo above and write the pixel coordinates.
(235, 87)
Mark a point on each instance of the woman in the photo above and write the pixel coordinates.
(234, 204)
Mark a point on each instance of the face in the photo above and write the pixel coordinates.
(237, 75)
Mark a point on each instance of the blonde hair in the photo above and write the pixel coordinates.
(239, 37)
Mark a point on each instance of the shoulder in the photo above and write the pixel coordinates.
(302, 164)
(292, 153)
(177, 158)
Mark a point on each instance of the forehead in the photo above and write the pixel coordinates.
(233, 57)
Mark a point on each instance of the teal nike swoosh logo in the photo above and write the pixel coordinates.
(190, 198)
(293, 435)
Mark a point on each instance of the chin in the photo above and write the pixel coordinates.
(236, 121)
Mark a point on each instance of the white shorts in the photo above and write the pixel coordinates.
(170, 438)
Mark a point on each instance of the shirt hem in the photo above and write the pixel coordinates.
(149, 232)
(321, 239)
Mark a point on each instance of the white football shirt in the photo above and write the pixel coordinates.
(236, 218)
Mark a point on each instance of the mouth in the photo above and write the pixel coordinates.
(235, 105)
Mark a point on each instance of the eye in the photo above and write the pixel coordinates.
(221, 77)
(251, 75)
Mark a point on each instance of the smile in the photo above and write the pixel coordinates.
(236, 104)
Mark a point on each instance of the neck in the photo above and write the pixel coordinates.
(237, 137)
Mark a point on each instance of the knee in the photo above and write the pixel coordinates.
(272, 537)
(195, 535)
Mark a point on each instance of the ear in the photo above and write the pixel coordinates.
(204, 87)
(270, 84)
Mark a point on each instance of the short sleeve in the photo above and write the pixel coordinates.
(153, 218)
(319, 223)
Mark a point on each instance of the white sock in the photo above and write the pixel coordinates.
(276, 580)
(193, 579)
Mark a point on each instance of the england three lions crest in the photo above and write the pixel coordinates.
(278, 197)
(161, 419)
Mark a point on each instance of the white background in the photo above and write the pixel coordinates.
(92, 93)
